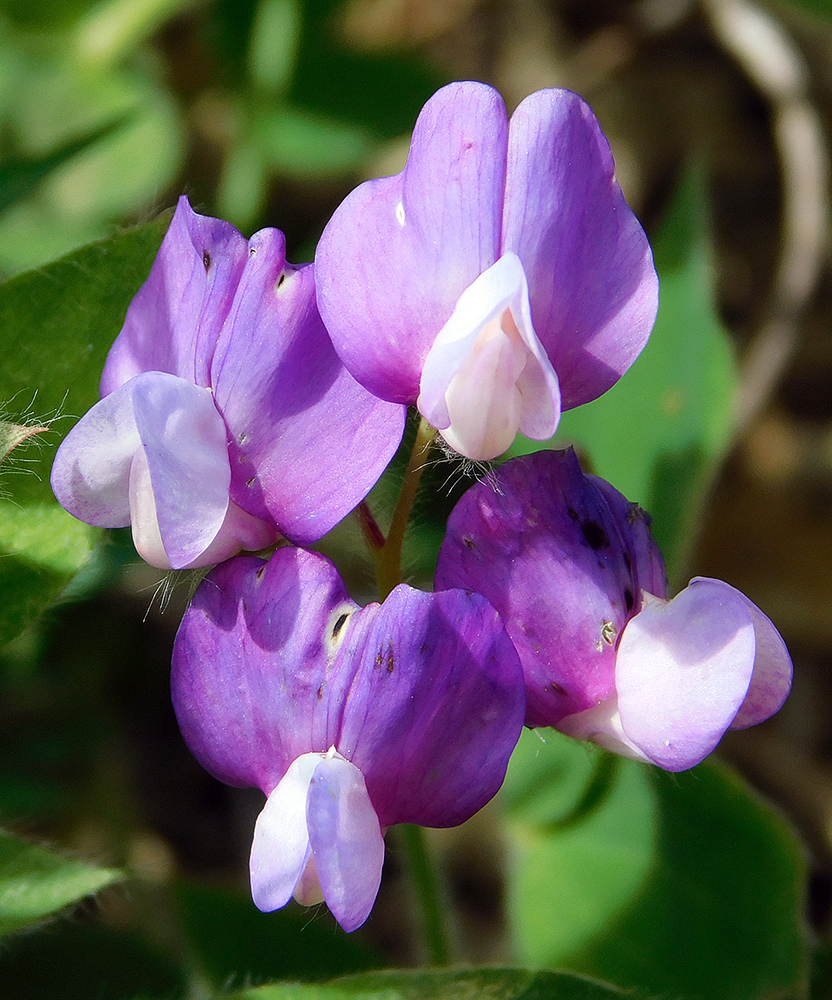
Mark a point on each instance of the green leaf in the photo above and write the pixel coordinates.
(12, 435)
(56, 326)
(658, 433)
(380, 92)
(469, 984)
(35, 882)
(681, 884)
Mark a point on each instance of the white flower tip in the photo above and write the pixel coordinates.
(683, 670)
(487, 376)
(318, 837)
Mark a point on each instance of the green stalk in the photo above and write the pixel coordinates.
(427, 887)
(389, 556)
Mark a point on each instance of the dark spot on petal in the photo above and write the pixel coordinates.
(423, 648)
(245, 606)
(379, 658)
(595, 535)
(391, 663)
(261, 571)
(320, 692)
(206, 259)
(628, 563)
(557, 688)
(468, 542)
(629, 600)
(281, 279)
(252, 251)
(573, 514)
(252, 481)
(339, 624)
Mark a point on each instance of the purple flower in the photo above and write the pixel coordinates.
(226, 416)
(499, 278)
(350, 720)
(572, 569)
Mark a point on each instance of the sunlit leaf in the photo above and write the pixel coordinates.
(12, 435)
(35, 882)
(56, 326)
(674, 884)
(119, 173)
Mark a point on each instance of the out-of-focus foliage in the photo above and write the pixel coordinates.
(101, 136)
(236, 945)
(680, 884)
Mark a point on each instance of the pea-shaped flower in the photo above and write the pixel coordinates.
(572, 569)
(226, 418)
(350, 720)
(500, 278)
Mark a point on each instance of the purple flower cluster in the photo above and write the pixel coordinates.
(249, 405)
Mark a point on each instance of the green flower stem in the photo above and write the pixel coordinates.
(387, 553)
(389, 556)
(427, 887)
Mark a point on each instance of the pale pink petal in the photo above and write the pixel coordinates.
(772, 678)
(602, 725)
(487, 376)
(346, 840)
(280, 849)
(91, 473)
(184, 441)
(682, 672)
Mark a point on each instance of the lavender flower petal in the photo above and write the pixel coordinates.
(540, 542)
(423, 694)
(91, 472)
(252, 663)
(188, 473)
(307, 443)
(593, 288)
(772, 677)
(399, 251)
(433, 704)
(174, 321)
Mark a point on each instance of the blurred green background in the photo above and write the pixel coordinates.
(266, 113)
